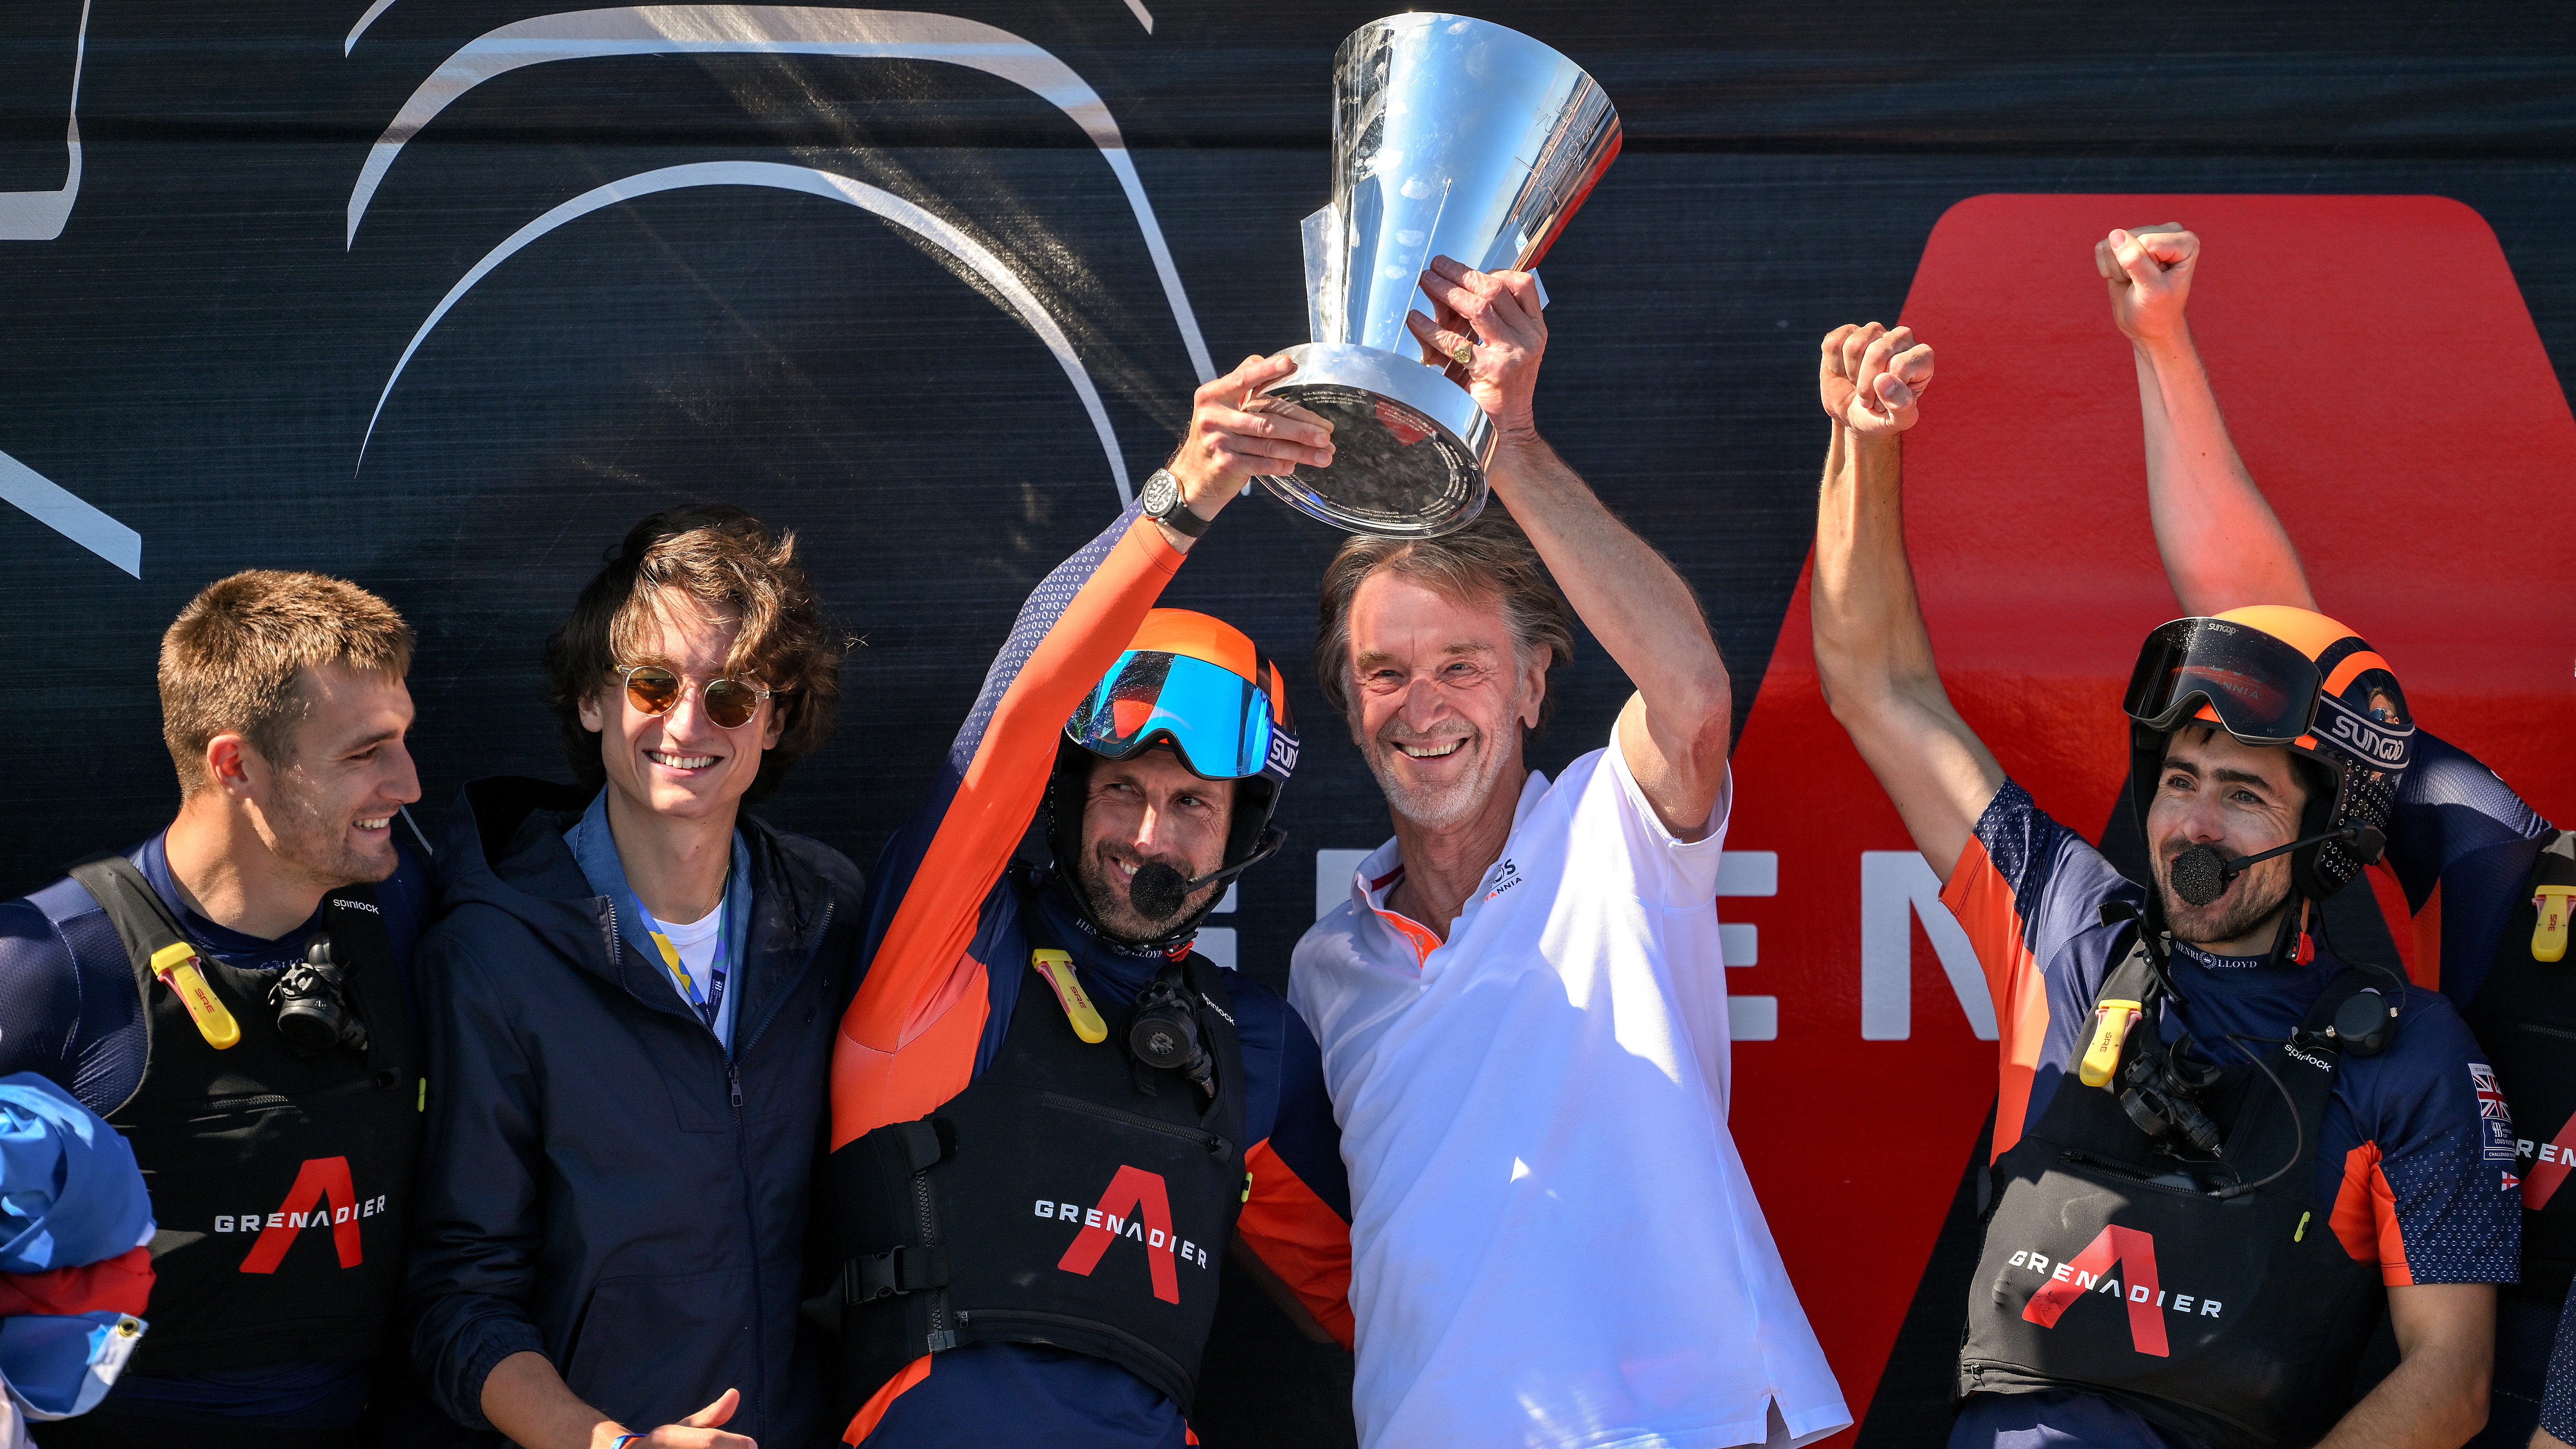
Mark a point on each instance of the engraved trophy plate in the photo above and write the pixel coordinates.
(1451, 137)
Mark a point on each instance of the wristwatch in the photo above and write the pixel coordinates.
(1162, 500)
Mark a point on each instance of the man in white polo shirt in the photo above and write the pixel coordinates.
(1522, 1007)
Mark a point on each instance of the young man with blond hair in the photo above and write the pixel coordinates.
(272, 1104)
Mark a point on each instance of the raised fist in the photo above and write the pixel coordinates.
(2149, 273)
(1870, 379)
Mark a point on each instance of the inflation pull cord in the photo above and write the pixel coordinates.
(176, 965)
(2301, 1235)
(2111, 1023)
(1057, 968)
(2549, 933)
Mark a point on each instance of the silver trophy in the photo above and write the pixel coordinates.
(1451, 137)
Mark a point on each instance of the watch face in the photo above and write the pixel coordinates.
(1160, 494)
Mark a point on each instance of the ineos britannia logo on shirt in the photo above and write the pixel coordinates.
(1137, 1207)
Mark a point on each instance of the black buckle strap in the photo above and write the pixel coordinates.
(879, 1275)
(904, 1270)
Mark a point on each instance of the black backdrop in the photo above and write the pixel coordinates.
(199, 352)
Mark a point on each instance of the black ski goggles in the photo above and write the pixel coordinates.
(2263, 691)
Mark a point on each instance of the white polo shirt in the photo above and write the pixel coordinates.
(1553, 1241)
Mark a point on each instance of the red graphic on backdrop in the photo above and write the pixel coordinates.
(1133, 1189)
(2026, 515)
(321, 1194)
(2133, 1254)
(2549, 1169)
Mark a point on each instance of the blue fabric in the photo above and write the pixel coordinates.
(2057, 1421)
(594, 846)
(2457, 826)
(70, 1194)
(46, 1359)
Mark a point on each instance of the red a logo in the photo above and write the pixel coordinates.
(1137, 1190)
(2133, 1253)
(320, 1185)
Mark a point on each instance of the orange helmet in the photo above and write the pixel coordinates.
(2271, 675)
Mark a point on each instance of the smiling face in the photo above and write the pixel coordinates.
(2238, 800)
(327, 811)
(679, 764)
(1149, 807)
(1439, 698)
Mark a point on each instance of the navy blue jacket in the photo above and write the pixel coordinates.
(599, 1183)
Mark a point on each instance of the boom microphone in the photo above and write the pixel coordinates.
(2200, 875)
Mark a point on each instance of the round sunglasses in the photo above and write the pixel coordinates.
(655, 690)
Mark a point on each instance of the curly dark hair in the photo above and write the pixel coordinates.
(723, 559)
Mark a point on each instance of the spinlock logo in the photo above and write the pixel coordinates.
(1142, 1194)
(2120, 1262)
(322, 1197)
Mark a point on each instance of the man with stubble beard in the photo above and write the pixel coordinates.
(272, 1106)
(2219, 1149)
(1522, 1006)
(1050, 1116)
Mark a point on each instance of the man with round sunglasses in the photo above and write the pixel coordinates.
(2220, 1150)
(2485, 879)
(1051, 1118)
(629, 1005)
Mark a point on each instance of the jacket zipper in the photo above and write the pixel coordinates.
(742, 1148)
(1216, 1146)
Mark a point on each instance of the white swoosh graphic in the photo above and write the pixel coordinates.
(41, 215)
(813, 183)
(787, 30)
(379, 8)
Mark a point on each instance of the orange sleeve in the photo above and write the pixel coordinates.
(907, 1041)
(2365, 1217)
(1982, 901)
(1298, 1236)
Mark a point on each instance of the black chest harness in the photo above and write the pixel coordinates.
(2190, 1274)
(280, 1180)
(2525, 1017)
(1072, 1195)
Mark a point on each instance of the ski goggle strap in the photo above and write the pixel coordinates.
(2263, 691)
(1219, 721)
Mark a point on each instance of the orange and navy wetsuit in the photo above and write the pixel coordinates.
(946, 957)
(2418, 1158)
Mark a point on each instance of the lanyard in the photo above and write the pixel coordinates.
(708, 1003)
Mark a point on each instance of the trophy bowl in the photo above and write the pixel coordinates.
(1451, 137)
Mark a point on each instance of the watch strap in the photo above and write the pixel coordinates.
(1177, 516)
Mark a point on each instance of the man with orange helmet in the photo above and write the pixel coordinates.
(1050, 1117)
(2486, 879)
(2220, 1148)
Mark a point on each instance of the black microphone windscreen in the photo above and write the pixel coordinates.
(1157, 891)
(2199, 875)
